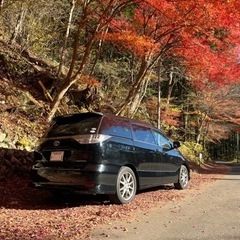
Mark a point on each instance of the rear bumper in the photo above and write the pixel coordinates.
(71, 188)
(94, 181)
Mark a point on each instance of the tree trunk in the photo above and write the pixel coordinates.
(58, 98)
(98, 51)
(1, 5)
(62, 58)
(159, 95)
(72, 78)
(185, 123)
(135, 88)
(19, 25)
(237, 138)
(200, 130)
(138, 99)
(170, 86)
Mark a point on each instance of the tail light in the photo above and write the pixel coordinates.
(91, 138)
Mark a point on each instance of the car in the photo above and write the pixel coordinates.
(97, 153)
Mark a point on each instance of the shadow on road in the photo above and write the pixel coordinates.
(17, 194)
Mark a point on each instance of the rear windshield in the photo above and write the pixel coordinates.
(69, 126)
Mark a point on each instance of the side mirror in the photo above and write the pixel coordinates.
(176, 144)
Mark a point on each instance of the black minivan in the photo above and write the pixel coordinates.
(96, 153)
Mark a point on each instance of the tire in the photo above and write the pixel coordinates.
(183, 177)
(126, 186)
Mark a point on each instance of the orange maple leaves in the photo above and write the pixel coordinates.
(137, 44)
(205, 33)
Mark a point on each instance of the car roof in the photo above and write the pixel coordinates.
(93, 114)
(76, 115)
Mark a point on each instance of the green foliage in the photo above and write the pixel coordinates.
(192, 151)
(41, 28)
(114, 77)
(129, 12)
(24, 142)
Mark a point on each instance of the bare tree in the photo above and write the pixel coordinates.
(19, 24)
(95, 16)
(62, 58)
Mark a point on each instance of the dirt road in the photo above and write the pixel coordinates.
(211, 214)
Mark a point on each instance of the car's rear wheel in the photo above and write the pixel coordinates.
(183, 177)
(126, 186)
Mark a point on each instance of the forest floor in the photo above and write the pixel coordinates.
(27, 213)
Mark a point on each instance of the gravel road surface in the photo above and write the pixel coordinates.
(212, 213)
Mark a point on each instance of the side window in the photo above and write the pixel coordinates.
(115, 127)
(143, 134)
(161, 140)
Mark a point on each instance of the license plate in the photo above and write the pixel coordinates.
(57, 156)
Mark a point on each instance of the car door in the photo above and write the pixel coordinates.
(169, 162)
(145, 155)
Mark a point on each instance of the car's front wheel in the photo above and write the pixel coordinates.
(183, 177)
(126, 186)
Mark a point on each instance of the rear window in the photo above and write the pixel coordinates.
(116, 127)
(74, 125)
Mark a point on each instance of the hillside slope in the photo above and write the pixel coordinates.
(22, 110)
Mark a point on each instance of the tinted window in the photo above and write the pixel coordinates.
(115, 127)
(69, 126)
(161, 140)
(143, 134)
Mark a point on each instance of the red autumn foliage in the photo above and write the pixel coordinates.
(205, 65)
(204, 33)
